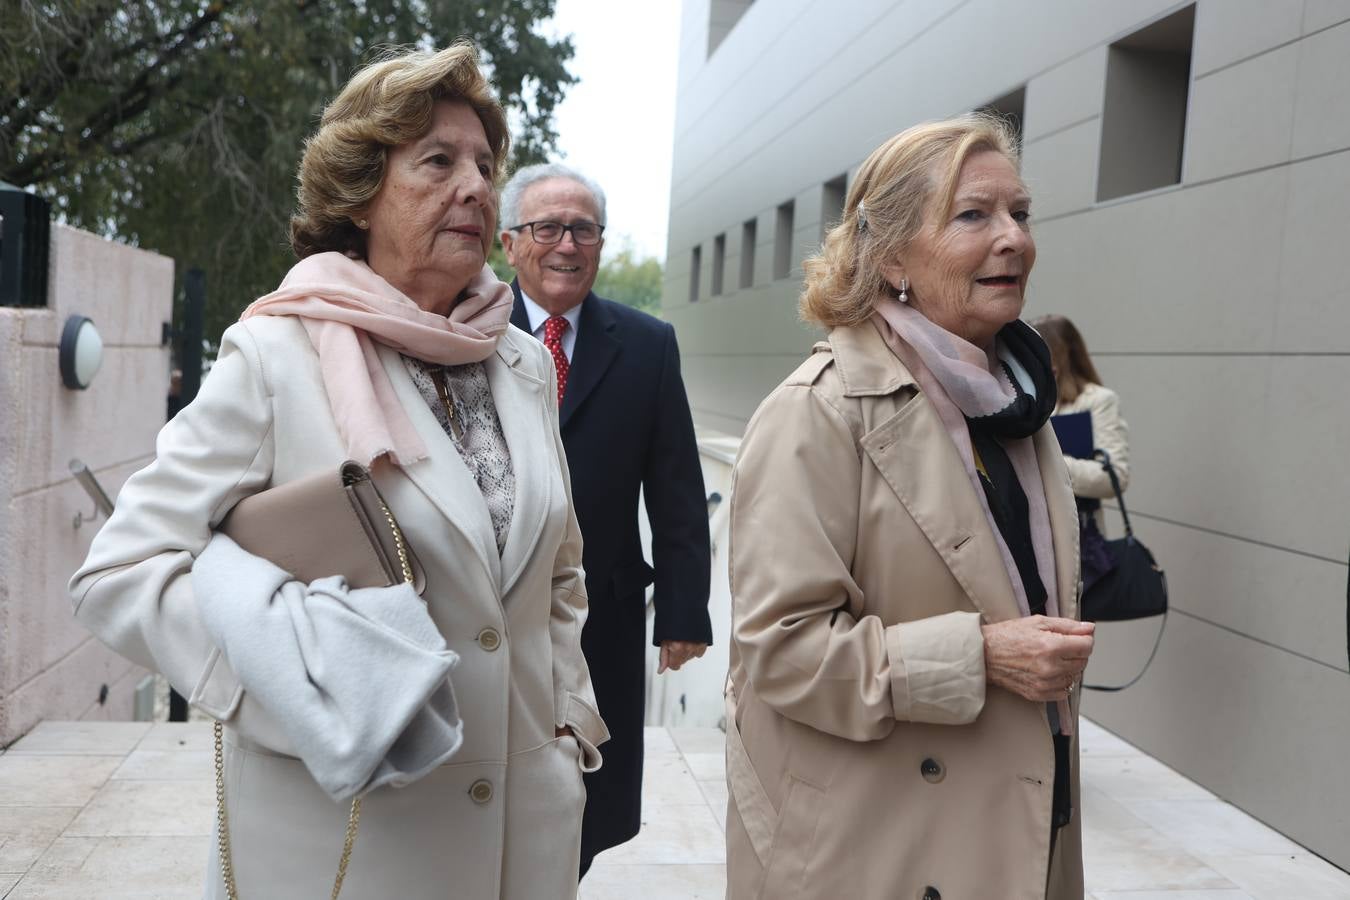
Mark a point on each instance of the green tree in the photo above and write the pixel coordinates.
(177, 124)
(626, 279)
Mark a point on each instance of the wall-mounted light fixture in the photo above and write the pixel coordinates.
(81, 353)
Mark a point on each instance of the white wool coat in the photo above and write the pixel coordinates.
(502, 819)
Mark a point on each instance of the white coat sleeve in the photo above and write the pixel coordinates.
(1109, 433)
(134, 590)
(794, 531)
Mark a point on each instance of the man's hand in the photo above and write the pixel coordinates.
(1037, 657)
(676, 653)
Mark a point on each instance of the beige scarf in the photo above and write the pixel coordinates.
(346, 307)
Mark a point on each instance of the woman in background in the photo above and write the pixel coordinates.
(1081, 390)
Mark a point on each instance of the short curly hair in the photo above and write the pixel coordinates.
(896, 185)
(387, 103)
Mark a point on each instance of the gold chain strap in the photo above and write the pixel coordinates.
(353, 818)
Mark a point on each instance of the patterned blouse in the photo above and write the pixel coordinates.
(476, 433)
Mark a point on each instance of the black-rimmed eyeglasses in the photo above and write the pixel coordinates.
(585, 234)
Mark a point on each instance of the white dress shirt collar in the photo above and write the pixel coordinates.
(538, 316)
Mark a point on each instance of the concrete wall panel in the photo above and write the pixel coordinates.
(1319, 14)
(1322, 104)
(1171, 271)
(42, 629)
(1311, 312)
(1288, 600)
(1241, 117)
(69, 690)
(1238, 444)
(1061, 169)
(1232, 30)
(122, 291)
(1065, 95)
(108, 423)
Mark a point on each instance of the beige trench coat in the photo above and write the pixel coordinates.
(866, 757)
(262, 418)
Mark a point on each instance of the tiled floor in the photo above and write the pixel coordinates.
(101, 811)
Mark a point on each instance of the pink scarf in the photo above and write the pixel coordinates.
(955, 376)
(346, 307)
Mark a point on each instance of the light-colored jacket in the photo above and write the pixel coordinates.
(503, 818)
(866, 755)
(1109, 433)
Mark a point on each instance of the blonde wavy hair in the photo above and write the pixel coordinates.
(387, 103)
(898, 183)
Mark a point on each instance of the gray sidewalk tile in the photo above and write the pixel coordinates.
(173, 736)
(75, 738)
(27, 831)
(658, 882)
(167, 765)
(40, 779)
(124, 868)
(148, 809)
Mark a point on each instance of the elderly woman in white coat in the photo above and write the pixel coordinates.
(387, 344)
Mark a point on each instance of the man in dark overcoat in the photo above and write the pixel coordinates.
(627, 429)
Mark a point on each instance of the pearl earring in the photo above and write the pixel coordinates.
(904, 290)
(362, 224)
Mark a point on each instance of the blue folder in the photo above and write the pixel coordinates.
(1074, 431)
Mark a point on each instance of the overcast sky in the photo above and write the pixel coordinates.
(616, 125)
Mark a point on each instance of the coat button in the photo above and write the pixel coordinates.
(481, 791)
(489, 639)
(930, 893)
(932, 772)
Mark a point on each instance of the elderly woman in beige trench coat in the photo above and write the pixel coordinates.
(904, 561)
(464, 718)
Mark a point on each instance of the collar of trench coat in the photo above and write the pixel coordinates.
(868, 368)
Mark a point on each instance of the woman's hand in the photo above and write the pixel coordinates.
(1037, 657)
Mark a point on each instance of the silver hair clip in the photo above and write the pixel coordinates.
(862, 216)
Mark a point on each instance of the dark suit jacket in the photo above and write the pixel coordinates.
(626, 426)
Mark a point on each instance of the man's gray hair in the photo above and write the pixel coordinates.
(528, 175)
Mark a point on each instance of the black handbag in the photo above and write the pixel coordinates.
(1133, 587)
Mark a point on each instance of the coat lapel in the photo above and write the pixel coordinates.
(1063, 518)
(916, 457)
(442, 475)
(518, 395)
(597, 346)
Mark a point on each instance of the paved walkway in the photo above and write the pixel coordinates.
(111, 810)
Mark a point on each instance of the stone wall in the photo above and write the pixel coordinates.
(50, 667)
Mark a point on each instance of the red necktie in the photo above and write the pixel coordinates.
(553, 332)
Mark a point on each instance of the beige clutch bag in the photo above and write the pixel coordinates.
(334, 523)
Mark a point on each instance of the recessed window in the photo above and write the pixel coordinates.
(722, 17)
(695, 272)
(748, 253)
(782, 241)
(719, 263)
(1148, 80)
(832, 195)
(1011, 107)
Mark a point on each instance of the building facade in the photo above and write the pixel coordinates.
(50, 666)
(1190, 169)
